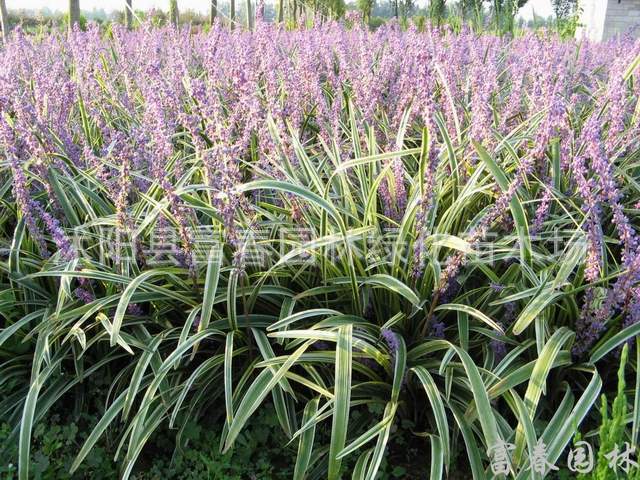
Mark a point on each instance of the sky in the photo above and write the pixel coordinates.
(541, 7)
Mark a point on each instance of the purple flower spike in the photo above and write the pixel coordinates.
(391, 340)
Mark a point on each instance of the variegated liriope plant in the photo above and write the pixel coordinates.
(445, 225)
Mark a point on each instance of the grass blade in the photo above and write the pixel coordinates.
(342, 392)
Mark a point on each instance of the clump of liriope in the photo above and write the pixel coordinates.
(341, 160)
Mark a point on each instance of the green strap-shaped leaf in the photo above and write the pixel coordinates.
(437, 458)
(99, 429)
(537, 383)
(390, 410)
(228, 377)
(546, 297)
(544, 363)
(519, 216)
(636, 402)
(209, 364)
(615, 341)
(212, 278)
(548, 293)
(317, 200)
(360, 470)
(631, 68)
(381, 445)
(457, 307)
(479, 391)
(305, 445)
(27, 420)
(437, 406)
(126, 298)
(520, 410)
(7, 332)
(342, 391)
(369, 435)
(256, 393)
(472, 450)
(231, 299)
(314, 312)
(141, 367)
(561, 429)
(393, 284)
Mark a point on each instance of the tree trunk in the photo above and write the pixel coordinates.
(248, 3)
(4, 19)
(232, 13)
(213, 12)
(128, 13)
(174, 13)
(280, 11)
(74, 13)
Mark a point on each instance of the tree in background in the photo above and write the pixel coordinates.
(504, 4)
(437, 10)
(395, 6)
(4, 19)
(280, 11)
(128, 13)
(248, 8)
(406, 8)
(366, 7)
(567, 16)
(504, 13)
(471, 10)
(564, 8)
(174, 14)
(232, 13)
(337, 8)
(74, 13)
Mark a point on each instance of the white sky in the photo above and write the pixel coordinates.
(541, 7)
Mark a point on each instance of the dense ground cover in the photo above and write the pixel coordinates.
(430, 232)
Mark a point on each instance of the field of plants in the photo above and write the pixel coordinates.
(407, 240)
